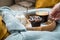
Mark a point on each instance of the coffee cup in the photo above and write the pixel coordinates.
(43, 15)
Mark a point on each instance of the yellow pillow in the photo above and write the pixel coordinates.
(3, 29)
(46, 3)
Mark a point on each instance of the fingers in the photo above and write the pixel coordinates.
(57, 17)
(55, 13)
(55, 9)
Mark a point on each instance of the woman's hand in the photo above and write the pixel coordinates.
(55, 14)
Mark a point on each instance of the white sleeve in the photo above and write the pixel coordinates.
(12, 23)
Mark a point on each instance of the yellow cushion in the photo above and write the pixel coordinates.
(7, 34)
(46, 3)
(3, 29)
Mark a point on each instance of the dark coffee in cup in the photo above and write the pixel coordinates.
(35, 21)
(43, 15)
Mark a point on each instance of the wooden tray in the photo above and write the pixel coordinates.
(47, 26)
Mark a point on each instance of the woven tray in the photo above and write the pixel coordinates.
(47, 26)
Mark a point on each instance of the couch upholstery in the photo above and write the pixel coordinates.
(6, 2)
